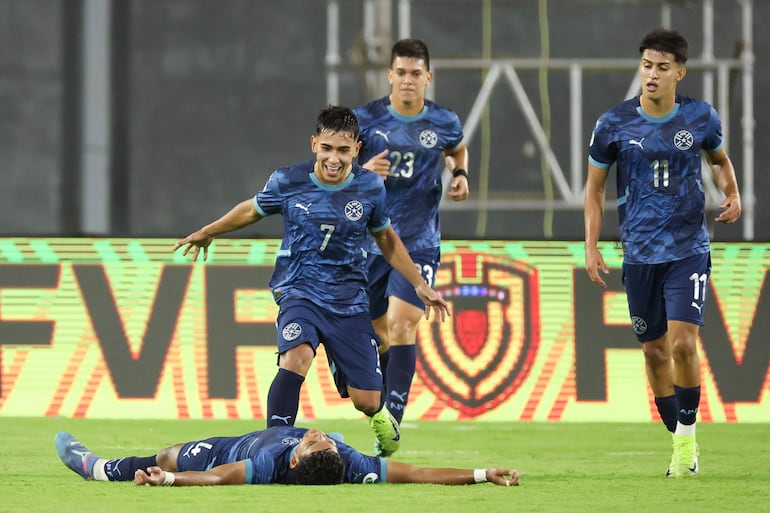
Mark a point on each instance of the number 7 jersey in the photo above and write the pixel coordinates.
(324, 228)
(661, 198)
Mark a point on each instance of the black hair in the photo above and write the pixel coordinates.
(413, 48)
(666, 41)
(320, 468)
(335, 118)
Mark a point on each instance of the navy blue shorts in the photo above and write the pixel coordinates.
(672, 291)
(203, 454)
(384, 281)
(349, 340)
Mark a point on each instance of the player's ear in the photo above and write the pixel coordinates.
(294, 461)
(313, 143)
(681, 73)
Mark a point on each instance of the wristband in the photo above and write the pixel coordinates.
(460, 172)
(168, 478)
(480, 475)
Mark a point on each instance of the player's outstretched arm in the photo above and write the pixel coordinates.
(242, 214)
(230, 473)
(593, 213)
(395, 253)
(724, 176)
(406, 473)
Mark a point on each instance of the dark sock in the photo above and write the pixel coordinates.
(401, 366)
(384, 359)
(283, 398)
(667, 410)
(687, 400)
(123, 469)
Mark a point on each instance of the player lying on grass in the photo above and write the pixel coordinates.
(287, 455)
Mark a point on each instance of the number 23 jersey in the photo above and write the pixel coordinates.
(416, 146)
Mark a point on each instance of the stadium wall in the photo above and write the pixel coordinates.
(121, 328)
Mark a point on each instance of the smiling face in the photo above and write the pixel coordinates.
(313, 441)
(659, 73)
(408, 78)
(334, 151)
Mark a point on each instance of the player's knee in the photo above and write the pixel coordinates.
(297, 359)
(656, 355)
(366, 405)
(684, 349)
(166, 458)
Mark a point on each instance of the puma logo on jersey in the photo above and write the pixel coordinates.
(633, 142)
(303, 207)
(696, 306)
(383, 134)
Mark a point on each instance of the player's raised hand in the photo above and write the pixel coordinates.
(433, 299)
(594, 264)
(379, 164)
(731, 209)
(197, 240)
(458, 188)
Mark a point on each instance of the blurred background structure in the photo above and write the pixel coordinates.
(151, 117)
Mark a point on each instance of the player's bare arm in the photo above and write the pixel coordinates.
(405, 473)
(230, 473)
(458, 186)
(593, 212)
(724, 176)
(396, 254)
(242, 214)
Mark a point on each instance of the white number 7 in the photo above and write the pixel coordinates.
(329, 229)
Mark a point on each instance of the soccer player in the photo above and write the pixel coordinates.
(286, 455)
(329, 207)
(656, 141)
(406, 140)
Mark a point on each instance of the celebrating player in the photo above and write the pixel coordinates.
(656, 140)
(287, 455)
(329, 207)
(406, 139)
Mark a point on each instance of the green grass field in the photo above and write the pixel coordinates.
(564, 468)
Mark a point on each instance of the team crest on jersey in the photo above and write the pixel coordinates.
(683, 140)
(354, 210)
(482, 357)
(290, 440)
(291, 331)
(428, 138)
(638, 324)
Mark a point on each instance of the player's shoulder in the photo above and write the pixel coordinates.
(690, 104)
(373, 109)
(625, 108)
(436, 110)
(618, 115)
(295, 172)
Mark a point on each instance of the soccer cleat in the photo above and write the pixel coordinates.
(75, 455)
(388, 436)
(684, 460)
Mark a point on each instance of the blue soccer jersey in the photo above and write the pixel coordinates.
(324, 228)
(267, 454)
(415, 148)
(661, 199)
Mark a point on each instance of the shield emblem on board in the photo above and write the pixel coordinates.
(480, 359)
